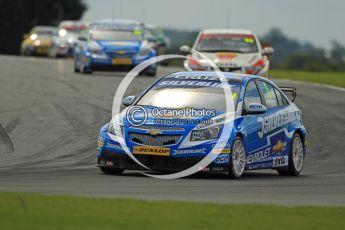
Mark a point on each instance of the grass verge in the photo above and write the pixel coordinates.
(33, 211)
(328, 78)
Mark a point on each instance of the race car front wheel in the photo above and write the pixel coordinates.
(238, 158)
(296, 157)
(111, 171)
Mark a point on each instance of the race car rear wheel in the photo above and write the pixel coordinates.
(151, 72)
(296, 157)
(76, 68)
(238, 158)
(111, 171)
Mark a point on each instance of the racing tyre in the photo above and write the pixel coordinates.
(237, 159)
(86, 70)
(76, 69)
(296, 157)
(151, 72)
(111, 171)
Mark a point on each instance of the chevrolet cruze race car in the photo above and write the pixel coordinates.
(231, 50)
(267, 130)
(38, 41)
(113, 45)
(66, 39)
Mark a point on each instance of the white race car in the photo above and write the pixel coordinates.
(231, 50)
(66, 39)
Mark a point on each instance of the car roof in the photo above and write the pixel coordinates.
(227, 75)
(227, 31)
(118, 24)
(46, 28)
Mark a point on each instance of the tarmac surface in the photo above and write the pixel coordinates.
(49, 123)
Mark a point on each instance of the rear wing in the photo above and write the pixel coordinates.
(290, 91)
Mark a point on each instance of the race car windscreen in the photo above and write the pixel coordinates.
(44, 33)
(196, 94)
(111, 35)
(238, 43)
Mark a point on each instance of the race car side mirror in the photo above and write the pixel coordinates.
(82, 38)
(185, 49)
(255, 108)
(127, 101)
(268, 51)
(151, 39)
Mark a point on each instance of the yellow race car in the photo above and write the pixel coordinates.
(38, 41)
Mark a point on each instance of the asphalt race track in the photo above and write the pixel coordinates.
(49, 122)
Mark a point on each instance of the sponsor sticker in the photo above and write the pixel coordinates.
(149, 150)
(220, 150)
(100, 142)
(280, 161)
(113, 146)
(109, 163)
(258, 156)
(249, 40)
(226, 55)
(279, 147)
(222, 159)
(189, 151)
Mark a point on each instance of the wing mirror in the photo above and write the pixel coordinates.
(268, 51)
(185, 49)
(255, 108)
(151, 39)
(129, 100)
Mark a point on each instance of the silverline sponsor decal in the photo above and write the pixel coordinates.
(277, 120)
(189, 151)
(193, 83)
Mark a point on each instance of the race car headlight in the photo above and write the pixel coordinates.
(113, 127)
(199, 65)
(33, 37)
(96, 52)
(205, 134)
(143, 53)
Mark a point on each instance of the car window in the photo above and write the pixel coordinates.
(279, 97)
(198, 94)
(252, 94)
(269, 94)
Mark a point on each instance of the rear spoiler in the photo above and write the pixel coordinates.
(290, 90)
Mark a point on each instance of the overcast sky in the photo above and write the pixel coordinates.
(317, 21)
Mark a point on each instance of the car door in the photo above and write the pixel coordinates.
(273, 131)
(251, 128)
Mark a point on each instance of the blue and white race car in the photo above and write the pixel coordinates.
(180, 119)
(117, 45)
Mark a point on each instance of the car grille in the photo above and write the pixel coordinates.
(160, 128)
(230, 69)
(116, 55)
(157, 140)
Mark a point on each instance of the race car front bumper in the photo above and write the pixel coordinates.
(154, 163)
(106, 63)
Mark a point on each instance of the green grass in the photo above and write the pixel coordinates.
(32, 211)
(329, 78)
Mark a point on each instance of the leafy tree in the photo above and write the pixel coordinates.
(19, 16)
